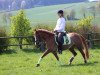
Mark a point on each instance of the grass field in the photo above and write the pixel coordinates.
(47, 14)
(23, 62)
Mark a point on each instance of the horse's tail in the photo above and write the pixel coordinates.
(85, 47)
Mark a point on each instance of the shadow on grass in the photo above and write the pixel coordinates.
(96, 47)
(87, 64)
(7, 52)
(32, 50)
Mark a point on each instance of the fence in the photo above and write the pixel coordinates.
(20, 40)
(92, 39)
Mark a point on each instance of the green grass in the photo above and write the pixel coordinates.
(23, 62)
(47, 14)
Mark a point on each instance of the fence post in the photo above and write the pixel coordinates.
(20, 43)
(90, 40)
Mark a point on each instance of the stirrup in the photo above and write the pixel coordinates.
(60, 51)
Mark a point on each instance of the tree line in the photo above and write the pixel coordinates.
(18, 4)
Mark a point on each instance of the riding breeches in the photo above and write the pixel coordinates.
(60, 39)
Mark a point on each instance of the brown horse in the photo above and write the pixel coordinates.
(77, 41)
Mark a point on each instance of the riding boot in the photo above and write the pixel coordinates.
(60, 51)
(60, 48)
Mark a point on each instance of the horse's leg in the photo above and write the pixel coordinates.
(71, 49)
(83, 54)
(55, 54)
(45, 53)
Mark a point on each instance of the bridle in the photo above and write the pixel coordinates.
(35, 39)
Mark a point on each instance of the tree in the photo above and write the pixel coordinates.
(72, 14)
(23, 4)
(83, 11)
(93, 11)
(14, 5)
(4, 18)
(84, 25)
(98, 6)
(3, 41)
(20, 26)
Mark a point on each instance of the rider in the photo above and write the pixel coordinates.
(60, 29)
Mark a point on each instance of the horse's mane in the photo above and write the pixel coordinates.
(45, 31)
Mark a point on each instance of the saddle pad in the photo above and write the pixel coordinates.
(66, 39)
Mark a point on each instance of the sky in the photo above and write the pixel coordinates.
(93, 0)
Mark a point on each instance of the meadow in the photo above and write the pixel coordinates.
(47, 14)
(23, 62)
(15, 61)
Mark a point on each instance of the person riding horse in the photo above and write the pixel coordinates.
(75, 40)
(60, 29)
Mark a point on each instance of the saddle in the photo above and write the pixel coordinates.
(64, 40)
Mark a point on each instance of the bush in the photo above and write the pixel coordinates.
(42, 26)
(70, 27)
(84, 25)
(20, 26)
(3, 41)
(71, 15)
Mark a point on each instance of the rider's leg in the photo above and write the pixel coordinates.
(60, 42)
(60, 47)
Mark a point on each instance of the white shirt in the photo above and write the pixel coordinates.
(60, 26)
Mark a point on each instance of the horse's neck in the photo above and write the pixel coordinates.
(44, 36)
(47, 37)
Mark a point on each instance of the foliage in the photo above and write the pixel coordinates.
(71, 15)
(96, 29)
(98, 7)
(42, 26)
(83, 11)
(70, 27)
(6, 17)
(20, 25)
(48, 14)
(31, 3)
(84, 25)
(3, 41)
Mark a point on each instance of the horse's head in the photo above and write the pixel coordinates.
(37, 37)
(42, 35)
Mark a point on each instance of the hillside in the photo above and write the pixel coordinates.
(51, 2)
(16, 4)
(47, 14)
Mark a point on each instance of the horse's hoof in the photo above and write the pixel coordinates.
(69, 63)
(37, 65)
(85, 61)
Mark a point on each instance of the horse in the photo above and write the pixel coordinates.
(77, 41)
